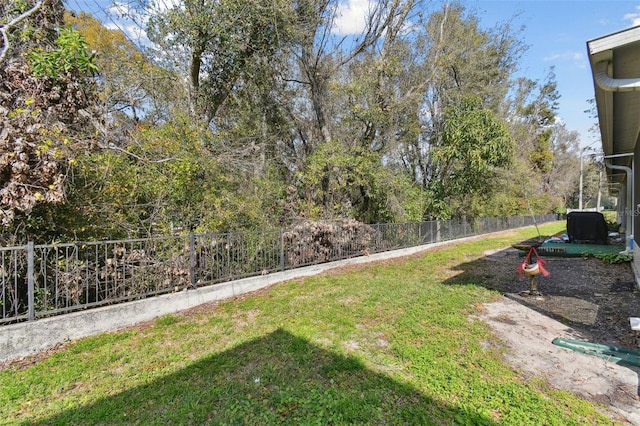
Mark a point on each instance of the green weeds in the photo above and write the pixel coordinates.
(610, 258)
(614, 258)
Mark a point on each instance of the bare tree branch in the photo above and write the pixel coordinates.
(137, 157)
(15, 21)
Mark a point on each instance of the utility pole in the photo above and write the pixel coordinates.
(581, 173)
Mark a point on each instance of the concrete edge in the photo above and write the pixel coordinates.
(28, 338)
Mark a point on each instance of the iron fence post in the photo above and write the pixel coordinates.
(339, 255)
(431, 236)
(281, 249)
(31, 281)
(192, 259)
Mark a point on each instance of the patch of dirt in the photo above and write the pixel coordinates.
(581, 299)
(30, 360)
(591, 296)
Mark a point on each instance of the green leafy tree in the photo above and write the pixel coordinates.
(340, 184)
(448, 60)
(475, 143)
(247, 114)
(69, 54)
(533, 123)
(563, 176)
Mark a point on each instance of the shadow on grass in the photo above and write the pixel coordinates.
(275, 379)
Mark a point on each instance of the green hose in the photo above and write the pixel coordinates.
(611, 353)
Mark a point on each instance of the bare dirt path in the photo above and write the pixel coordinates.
(582, 299)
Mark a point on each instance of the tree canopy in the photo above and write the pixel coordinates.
(252, 114)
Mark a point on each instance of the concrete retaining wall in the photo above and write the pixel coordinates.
(23, 339)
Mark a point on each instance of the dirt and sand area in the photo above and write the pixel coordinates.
(581, 299)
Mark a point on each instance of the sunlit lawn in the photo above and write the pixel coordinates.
(387, 343)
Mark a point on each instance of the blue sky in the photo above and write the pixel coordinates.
(555, 31)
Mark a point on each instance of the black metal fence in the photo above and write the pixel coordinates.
(39, 280)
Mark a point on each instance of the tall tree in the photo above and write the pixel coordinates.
(130, 86)
(533, 122)
(455, 60)
(216, 44)
(474, 144)
(322, 58)
(283, 115)
(563, 176)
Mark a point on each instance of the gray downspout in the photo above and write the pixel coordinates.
(630, 210)
(609, 84)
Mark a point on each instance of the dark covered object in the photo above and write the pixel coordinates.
(587, 227)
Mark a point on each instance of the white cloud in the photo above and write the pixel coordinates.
(123, 10)
(552, 57)
(633, 17)
(578, 58)
(132, 31)
(130, 20)
(556, 56)
(351, 17)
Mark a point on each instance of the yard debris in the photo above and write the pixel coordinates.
(317, 242)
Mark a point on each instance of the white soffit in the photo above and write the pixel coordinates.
(611, 41)
(615, 66)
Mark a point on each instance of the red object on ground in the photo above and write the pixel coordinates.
(527, 262)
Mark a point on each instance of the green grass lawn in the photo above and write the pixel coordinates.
(387, 343)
